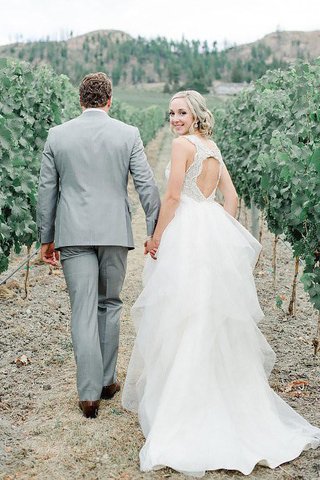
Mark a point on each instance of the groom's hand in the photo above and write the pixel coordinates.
(151, 246)
(49, 254)
(147, 246)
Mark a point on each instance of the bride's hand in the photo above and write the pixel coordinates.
(151, 246)
(153, 253)
(154, 248)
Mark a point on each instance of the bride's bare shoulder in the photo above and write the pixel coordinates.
(183, 143)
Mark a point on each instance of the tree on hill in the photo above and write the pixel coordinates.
(135, 60)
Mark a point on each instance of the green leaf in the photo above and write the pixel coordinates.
(315, 159)
(265, 181)
(3, 63)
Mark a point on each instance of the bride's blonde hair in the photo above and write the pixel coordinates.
(203, 118)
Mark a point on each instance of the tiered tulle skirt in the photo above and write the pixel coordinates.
(198, 375)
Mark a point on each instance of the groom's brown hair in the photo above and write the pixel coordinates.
(95, 90)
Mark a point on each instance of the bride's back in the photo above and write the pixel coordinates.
(208, 179)
(204, 171)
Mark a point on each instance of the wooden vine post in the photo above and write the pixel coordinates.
(255, 215)
(274, 260)
(293, 299)
(259, 234)
(316, 340)
(239, 209)
(245, 217)
(27, 272)
(261, 227)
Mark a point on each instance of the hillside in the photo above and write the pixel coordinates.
(192, 64)
(285, 46)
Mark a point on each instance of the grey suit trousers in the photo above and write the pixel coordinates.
(94, 277)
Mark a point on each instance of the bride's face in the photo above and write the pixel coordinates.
(181, 117)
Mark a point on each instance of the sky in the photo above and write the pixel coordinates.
(228, 22)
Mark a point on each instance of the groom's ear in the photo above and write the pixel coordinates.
(109, 102)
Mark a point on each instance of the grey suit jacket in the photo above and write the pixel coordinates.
(82, 196)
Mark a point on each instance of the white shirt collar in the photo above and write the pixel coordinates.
(94, 110)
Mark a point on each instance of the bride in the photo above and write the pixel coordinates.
(198, 374)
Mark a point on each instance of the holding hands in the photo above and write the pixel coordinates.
(151, 246)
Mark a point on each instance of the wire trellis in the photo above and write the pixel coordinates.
(26, 260)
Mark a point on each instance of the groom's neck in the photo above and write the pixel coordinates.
(105, 108)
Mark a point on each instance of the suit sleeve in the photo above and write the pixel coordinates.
(144, 183)
(48, 191)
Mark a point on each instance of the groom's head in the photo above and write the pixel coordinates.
(95, 91)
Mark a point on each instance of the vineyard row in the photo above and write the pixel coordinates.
(270, 136)
(31, 101)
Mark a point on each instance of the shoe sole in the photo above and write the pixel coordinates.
(91, 414)
(108, 397)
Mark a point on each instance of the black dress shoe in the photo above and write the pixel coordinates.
(110, 390)
(89, 408)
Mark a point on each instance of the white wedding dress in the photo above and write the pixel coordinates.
(198, 374)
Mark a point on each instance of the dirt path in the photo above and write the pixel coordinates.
(43, 435)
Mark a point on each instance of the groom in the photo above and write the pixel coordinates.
(83, 214)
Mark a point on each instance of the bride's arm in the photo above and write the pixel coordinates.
(181, 150)
(229, 192)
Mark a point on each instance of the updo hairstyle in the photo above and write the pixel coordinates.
(204, 120)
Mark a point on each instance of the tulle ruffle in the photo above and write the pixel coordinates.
(198, 374)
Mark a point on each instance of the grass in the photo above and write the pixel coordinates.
(142, 97)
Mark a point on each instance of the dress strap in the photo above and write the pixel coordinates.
(210, 151)
(193, 139)
(219, 175)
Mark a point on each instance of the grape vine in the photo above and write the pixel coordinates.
(270, 137)
(31, 101)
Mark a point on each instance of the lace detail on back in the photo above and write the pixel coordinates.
(190, 186)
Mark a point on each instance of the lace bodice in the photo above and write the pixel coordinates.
(203, 152)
